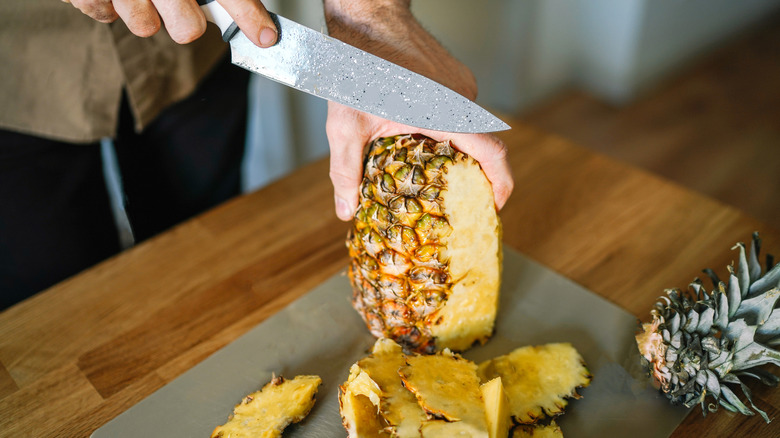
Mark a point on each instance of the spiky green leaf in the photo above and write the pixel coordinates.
(754, 266)
(757, 310)
(770, 280)
(734, 401)
(734, 295)
(743, 271)
(754, 355)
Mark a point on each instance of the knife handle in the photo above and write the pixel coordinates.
(216, 14)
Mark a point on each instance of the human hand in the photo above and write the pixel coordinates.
(350, 130)
(387, 29)
(183, 19)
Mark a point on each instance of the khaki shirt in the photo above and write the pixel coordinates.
(62, 73)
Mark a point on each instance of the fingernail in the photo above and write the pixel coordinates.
(342, 209)
(267, 37)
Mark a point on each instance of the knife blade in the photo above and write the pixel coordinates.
(323, 66)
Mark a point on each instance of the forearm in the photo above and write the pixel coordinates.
(388, 29)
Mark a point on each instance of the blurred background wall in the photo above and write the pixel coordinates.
(522, 52)
(525, 55)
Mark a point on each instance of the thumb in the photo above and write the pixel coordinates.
(346, 170)
(253, 19)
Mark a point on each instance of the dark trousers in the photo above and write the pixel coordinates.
(55, 214)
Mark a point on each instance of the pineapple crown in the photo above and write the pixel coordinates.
(700, 343)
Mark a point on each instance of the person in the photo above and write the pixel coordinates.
(162, 92)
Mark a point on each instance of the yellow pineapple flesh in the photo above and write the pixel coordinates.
(376, 377)
(425, 246)
(447, 388)
(538, 379)
(266, 413)
(496, 408)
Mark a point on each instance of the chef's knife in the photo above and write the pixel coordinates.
(310, 61)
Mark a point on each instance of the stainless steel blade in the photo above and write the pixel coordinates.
(326, 67)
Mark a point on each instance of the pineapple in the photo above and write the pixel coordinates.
(447, 388)
(538, 379)
(497, 408)
(393, 394)
(701, 345)
(425, 246)
(551, 430)
(376, 378)
(360, 416)
(265, 413)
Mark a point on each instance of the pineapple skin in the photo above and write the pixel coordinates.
(266, 413)
(538, 380)
(425, 246)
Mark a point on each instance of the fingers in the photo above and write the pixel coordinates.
(183, 19)
(140, 16)
(253, 19)
(344, 127)
(350, 130)
(100, 10)
(491, 153)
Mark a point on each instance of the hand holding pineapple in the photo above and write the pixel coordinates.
(388, 29)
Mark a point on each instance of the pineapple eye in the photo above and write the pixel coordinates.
(402, 172)
(409, 238)
(396, 204)
(394, 233)
(437, 162)
(366, 189)
(412, 206)
(418, 177)
(388, 184)
(430, 193)
(425, 222)
(425, 252)
(381, 159)
(401, 155)
(360, 214)
(441, 225)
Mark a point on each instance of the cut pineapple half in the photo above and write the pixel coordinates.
(538, 379)
(447, 388)
(266, 413)
(425, 246)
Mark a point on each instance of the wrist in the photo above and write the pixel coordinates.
(366, 11)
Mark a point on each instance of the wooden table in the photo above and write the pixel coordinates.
(77, 355)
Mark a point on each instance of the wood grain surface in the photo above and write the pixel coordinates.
(77, 355)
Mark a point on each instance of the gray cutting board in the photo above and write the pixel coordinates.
(321, 334)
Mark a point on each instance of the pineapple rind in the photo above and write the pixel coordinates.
(538, 380)
(359, 415)
(551, 430)
(396, 405)
(447, 388)
(266, 413)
